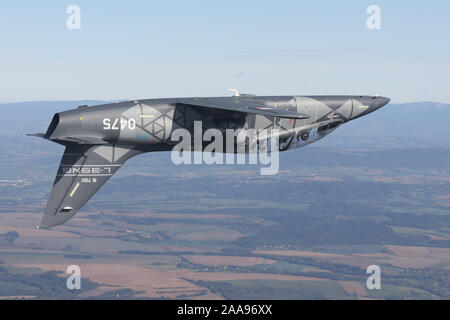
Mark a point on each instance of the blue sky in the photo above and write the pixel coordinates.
(150, 49)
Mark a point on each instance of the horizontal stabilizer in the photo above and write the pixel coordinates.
(85, 140)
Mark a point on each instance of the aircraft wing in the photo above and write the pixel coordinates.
(252, 107)
(83, 170)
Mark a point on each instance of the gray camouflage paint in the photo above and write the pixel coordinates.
(94, 154)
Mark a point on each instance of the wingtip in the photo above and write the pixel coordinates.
(39, 135)
(43, 227)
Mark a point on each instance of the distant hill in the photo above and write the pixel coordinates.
(409, 125)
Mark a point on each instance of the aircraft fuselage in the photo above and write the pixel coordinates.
(100, 139)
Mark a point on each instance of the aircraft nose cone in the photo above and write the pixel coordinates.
(368, 105)
(379, 102)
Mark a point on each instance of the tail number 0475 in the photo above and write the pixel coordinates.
(118, 124)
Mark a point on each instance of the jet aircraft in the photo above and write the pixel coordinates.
(99, 139)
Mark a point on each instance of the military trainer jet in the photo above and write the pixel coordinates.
(99, 139)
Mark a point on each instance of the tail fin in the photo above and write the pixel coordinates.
(83, 170)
